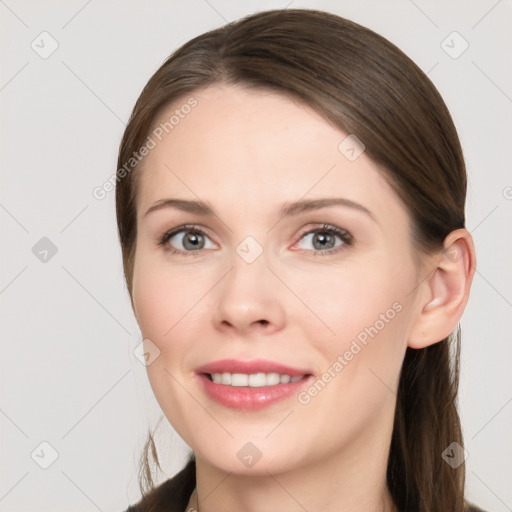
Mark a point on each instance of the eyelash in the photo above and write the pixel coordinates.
(343, 234)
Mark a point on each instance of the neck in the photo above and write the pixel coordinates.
(350, 480)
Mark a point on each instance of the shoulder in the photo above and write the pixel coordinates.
(172, 495)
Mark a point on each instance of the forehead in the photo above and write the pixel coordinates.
(254, 148)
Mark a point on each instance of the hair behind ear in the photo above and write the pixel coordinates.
(427, 395)
(146, 482)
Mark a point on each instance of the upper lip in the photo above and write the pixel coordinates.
(250, 367)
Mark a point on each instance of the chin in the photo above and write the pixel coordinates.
(252, 458)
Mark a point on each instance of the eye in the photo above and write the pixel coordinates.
(191, 238)
(323, 239)
(194, 240)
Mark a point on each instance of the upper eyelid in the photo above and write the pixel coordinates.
(188, 227)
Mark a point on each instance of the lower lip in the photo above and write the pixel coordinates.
(249, 398)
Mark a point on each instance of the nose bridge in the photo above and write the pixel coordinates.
(248, 277)
(251, 250)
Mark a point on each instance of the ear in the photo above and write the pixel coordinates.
(445, 292)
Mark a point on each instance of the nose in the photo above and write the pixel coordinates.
(249, 299)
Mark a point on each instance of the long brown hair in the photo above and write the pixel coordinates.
(366, 86)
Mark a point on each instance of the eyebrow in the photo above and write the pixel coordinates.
(286, 210)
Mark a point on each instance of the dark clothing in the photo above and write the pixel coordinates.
(174, 494)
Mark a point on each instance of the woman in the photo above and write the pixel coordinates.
(290, 203)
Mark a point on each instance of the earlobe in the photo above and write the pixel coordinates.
(445, 292)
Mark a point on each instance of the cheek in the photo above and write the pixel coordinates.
(162, 298)
(360, 363)
(150, 301)
(367, 312)
(345, 301)
(164, 305)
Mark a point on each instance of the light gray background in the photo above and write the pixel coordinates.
(68, 374)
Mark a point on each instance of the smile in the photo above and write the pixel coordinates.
(251, 385)
(254, 380)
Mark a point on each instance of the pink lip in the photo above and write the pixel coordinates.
(255, 366)
(246, 397)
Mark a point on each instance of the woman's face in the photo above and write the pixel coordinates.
(247, 284)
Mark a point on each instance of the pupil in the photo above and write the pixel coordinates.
(191, 239)
(322, 238)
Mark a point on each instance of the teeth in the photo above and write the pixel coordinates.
(254, 380)
(239, 379)
(272, 379)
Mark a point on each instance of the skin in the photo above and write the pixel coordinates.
(246, 152)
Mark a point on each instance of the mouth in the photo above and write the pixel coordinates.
(251, 385)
